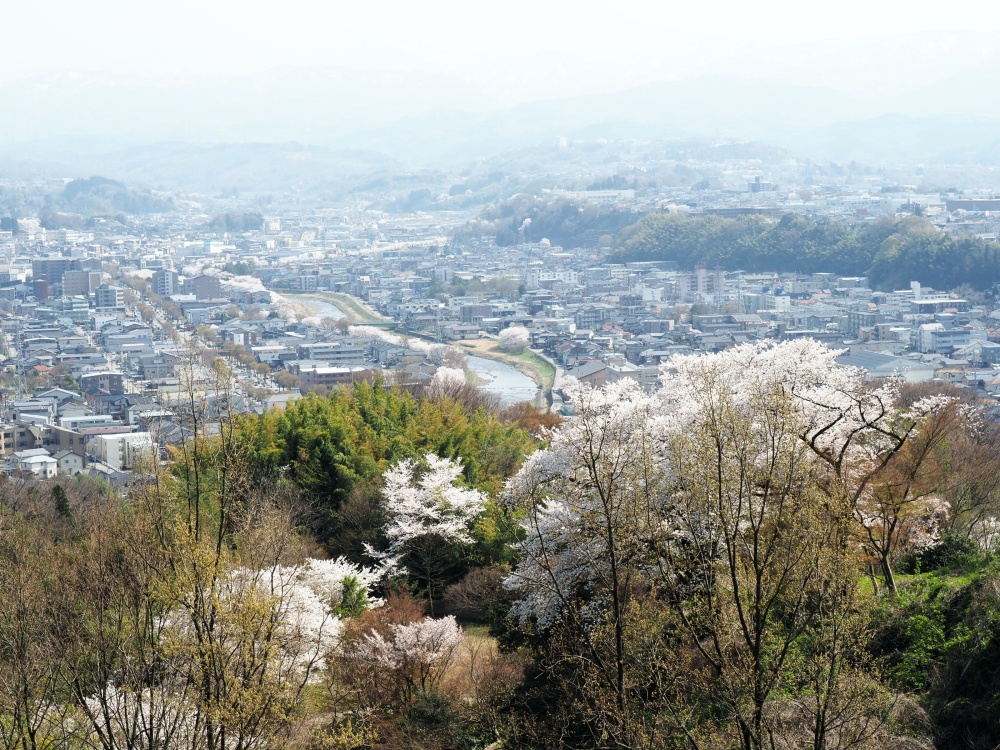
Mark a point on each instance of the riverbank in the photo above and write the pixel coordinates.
(527, 362)
(349, 305)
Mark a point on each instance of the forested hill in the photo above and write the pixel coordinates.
(101, 195)
(891, 252)
(565, 222)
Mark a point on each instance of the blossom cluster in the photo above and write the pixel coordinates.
(429, 505)
(626, 460)
(445, 381)
(514, 338)
(424, 642)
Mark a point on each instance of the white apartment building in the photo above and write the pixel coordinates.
(122, 451)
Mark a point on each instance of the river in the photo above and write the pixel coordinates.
(318, 307)
(500, 378)
(512, 386)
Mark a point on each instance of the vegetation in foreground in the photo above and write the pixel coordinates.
(768, 553)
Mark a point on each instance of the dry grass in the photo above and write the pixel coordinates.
(478, 672)
(475, 647)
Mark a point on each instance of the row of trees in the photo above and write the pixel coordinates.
(891, 252)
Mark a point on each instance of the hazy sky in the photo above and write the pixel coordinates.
(516, 49)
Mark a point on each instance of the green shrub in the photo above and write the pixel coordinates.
(955, 552)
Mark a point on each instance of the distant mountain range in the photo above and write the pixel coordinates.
(361, 123)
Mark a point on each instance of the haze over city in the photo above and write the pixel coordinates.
(522, 51)
(425, 82)
(525, 376)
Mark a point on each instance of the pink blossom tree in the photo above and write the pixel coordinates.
(417, 654)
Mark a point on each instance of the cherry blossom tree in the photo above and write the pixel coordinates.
(270, 633)
(268, 637)
(729, 501)
(446, 381)
(345, 587)
(448, 356)
(902, 510)
(429, 517)
(416, 654)
(514, 339)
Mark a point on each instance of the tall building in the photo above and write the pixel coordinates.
(109, 297)
(204, 287)
(52, 268)
(80, 283)
(165, 282)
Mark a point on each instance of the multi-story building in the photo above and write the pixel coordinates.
(203, 287)
(18, 436)
(51, 269)
(165, 282)
(333, 352)
(108, 297)
(123, 451)
(82, 283)
(332, 377)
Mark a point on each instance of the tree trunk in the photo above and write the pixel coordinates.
(890, 579)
